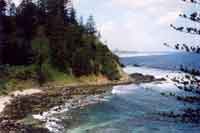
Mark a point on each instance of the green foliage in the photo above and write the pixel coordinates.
(82, 62)
(40, 46)
(110, 69)
(22, 72)
(47, 43)
(53, 74)
(93, 57)
(17, 78)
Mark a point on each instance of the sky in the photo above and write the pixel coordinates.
(138, 25)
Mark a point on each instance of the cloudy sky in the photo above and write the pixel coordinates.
(139, 25)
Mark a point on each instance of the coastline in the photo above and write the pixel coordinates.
(20, 105)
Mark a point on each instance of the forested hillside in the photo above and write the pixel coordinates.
(42, 40)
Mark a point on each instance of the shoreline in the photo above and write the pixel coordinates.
(40, 100)
(5, 99)
(18, 105)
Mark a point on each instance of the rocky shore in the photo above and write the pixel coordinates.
(11, 126)
(138, 78)
(21, 106)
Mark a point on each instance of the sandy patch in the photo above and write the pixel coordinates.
(6, 99)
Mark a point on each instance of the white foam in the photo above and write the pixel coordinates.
(53, 124)
(158, 73)
(124, 89)
(162, 87)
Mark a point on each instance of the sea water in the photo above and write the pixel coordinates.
(134, 108)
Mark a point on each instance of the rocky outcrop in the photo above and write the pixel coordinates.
(140, 78)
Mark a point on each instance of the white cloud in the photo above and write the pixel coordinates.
(128, 35)
(76, 2)
(144, 25)
(170, 17)
(136, 3)
(164, 11)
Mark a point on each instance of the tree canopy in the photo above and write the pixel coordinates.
(47, 32)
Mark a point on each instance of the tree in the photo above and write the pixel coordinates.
(188, 82)
(40, 47)
(2, 7)
(26, 25)
(81, 22)
(42, 4)
(42, 11)
(45, 34)
(2, 28)
(72, 16)
(194, 17)
(56, 33)
(27, 18)
(12, 9)
(91, 26)
(69, 13)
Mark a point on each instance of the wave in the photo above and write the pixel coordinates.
(158, 73)
(54, 124)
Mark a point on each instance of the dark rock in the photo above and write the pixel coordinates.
(8, 126)
(139, 78)
(188, 116)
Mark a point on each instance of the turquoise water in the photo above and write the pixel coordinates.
(133, 108)
(132, 111)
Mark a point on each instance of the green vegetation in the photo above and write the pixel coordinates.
(43, 41)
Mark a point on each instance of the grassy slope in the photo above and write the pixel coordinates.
(17, 80)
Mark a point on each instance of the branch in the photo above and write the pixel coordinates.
(184, 47)
(192, 1)
(190, 30)
(195, 17)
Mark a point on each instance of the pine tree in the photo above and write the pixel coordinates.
(40, 46)
(91, 26)
(70, 13)
(73, 16)
(26, 22)
(46, 33)
(56, 32)
(2, 7)
(12, 9)
(194, 17)
(2, 28)
(42, 11)
(81, 22)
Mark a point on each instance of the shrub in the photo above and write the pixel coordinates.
(22, 72)
(110, 69)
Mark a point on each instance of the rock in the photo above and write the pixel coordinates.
(11, 126)
(139, 78)
(136, 65)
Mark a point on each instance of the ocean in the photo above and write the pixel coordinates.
(134, 108)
